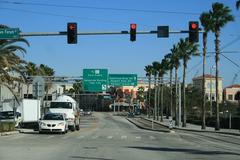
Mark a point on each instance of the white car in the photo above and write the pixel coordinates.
(53, 122)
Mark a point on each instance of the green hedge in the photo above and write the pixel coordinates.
(7, 126)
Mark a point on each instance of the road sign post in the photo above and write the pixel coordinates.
(9, 33)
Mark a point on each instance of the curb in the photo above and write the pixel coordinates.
(149, 129)
(9, 133)
(194, 130)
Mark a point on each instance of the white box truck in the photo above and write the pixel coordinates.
(31, 113)
(68, 106)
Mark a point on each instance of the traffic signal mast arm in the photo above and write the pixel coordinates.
(30, 34)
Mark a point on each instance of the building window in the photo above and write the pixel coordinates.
(230, 97)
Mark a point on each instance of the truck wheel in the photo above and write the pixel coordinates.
(73, 128)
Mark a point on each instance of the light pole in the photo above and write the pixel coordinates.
(211, 110)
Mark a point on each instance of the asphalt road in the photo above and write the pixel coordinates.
(106, 137)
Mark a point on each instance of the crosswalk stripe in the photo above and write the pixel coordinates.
(80, 137)
(94, 137)
(109, 137)
(123, 137)
(138, 137)
(49, 137)
(152, 138)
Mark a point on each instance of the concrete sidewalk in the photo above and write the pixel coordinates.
(195, 128)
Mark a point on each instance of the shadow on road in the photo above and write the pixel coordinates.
(80, 157)
(191, 151)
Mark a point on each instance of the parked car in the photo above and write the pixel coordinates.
(8, 116)
(88, 112)
(53, 122)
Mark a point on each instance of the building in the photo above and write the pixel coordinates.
(210, 86)
(230, 92)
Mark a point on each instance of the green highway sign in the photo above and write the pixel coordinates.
(9, 33)
(95, 80)
(122, 79)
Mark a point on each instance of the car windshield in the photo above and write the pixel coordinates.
(53, 117)
(66, 105)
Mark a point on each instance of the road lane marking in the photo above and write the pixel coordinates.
(138, 137)
(123, 137)
(109, 137)
(65, 137)
(49, 137)
(94, 137)
(152, 138)
(80, 137)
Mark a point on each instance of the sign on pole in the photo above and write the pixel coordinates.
(123, 79)
(9, 33)
(38, 87)
(95, 80)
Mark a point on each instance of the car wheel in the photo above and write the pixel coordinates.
(78, 127)
(73, 128)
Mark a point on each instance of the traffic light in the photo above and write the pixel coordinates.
(193, 31)
(163, 31)
(133, 28)
(72, 33)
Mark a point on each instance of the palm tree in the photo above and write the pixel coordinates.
(176, 63)
(149, 72)
(205, 21)
(220, 15)
(11, 62)
(31, 70)
(187, 50)
(44, 70)
(155, 72)
(169, 64)
(238, 4)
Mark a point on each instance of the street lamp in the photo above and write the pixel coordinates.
(211, 110)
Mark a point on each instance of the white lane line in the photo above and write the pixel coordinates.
(94, 137)
(152, 138)
(109, 137)
(138, 137)
(49, 137)
(80, 137)
(123, 137)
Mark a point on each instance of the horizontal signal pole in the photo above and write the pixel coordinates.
(30, 34)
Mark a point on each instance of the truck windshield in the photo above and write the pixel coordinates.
(53, 117)
(66, 105)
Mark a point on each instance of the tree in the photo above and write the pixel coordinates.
(149, 71)
(238, 4)
(45, 70)
(205, 21)
(11, 62)
(155, 72)
(169, 60)
(220, 15)
(30, 70)
(186, 51)
(77, 87)
(176, 63)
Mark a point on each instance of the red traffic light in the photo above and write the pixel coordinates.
(194, 26)
(71, 26)
(133, 26)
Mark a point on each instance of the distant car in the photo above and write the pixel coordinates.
(53, 122)
(81, 112)
(88, 112)
(8, 116)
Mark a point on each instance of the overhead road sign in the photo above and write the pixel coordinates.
(9, 33)
(122, 79)
(95, 80)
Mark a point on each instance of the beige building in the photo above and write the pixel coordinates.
(210, 86)
(230, 92)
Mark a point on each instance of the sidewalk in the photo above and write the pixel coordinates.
(195, 128)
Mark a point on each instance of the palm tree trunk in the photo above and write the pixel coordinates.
(183, 96)
(155, 98)
(203, 81)
(158, 97)
(27, 89)
(161, 99)
(149, 96)
(217, 44)
(171, 95)
(176, 97)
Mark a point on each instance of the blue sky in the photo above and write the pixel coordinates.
(116, 52)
